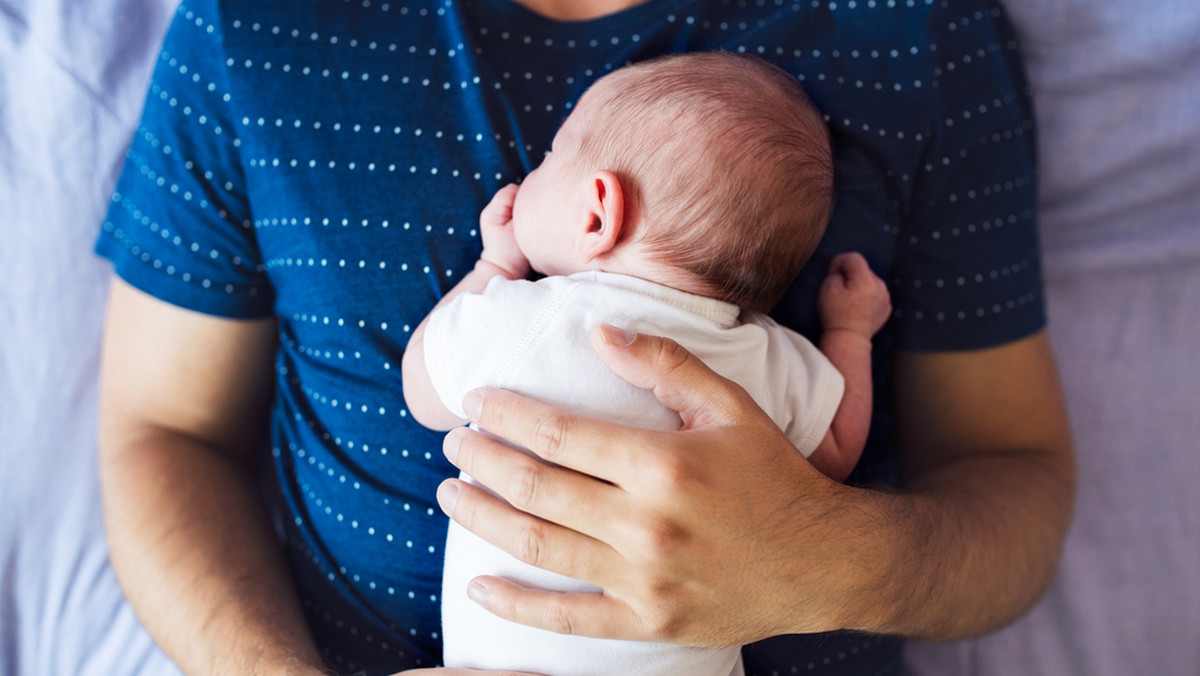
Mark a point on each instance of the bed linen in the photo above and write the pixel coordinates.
(72, 80)
(1116, 87)
(1116, 90)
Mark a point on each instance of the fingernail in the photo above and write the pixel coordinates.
(473, 404)
(477, 592)
(450, 444)
(447, 497)
(616, 336)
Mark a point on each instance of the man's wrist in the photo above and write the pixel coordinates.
(292, 666)
(878, 582)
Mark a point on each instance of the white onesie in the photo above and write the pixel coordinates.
(533, 338)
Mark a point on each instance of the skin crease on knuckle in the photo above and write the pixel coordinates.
(668, 621)
(523, 485)
(656, 538)
(671, 354)
(670, 359)
(666, 466)
(549, 436)
(529, 544)
(741, 412)
(560, 619)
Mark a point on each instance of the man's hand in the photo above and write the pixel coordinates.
(446, 671)
(694, 535)
(721, 534)
(853, 298)
(499, 243)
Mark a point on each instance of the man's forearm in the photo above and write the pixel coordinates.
(965, 549)
(196, 556)
(989, 486)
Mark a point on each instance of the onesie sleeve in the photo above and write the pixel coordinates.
(968, 272)
(179, 225)
(813, 394)
(473, 340)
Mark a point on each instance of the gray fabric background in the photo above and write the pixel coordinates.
(1117, 90)
(73, 74)
(1117, 95)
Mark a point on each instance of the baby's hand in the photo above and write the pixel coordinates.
(852, 297)
(499, 242)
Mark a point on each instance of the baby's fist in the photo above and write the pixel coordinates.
(852, 297)
(496, 229)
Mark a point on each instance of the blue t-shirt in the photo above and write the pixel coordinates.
(325, 162)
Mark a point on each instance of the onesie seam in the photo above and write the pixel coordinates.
(535, 331)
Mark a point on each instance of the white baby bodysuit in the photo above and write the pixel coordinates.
(533, 338)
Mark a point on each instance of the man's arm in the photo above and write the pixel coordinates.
(183, 405)
(184, 399)
(989, 480)
(720, 535)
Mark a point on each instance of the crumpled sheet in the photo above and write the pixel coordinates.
(73, 75)
(1117, 87)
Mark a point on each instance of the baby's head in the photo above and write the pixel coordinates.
(717, 168)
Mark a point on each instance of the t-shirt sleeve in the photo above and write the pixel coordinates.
(968, 272)
(474, 339)
(814, 393)
(179, 225)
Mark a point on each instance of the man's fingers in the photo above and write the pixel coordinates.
(551, 492)
(678, 378)
(446, 671)
(594, 447)
(576, 613)
(532, 540)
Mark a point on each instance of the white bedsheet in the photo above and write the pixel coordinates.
(73, 75)
(1117, 91)
(1118, 96)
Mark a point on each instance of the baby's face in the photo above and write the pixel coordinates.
(550, 199)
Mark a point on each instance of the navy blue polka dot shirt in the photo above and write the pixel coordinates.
(325, 162)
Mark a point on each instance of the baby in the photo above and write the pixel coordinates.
(680, 198)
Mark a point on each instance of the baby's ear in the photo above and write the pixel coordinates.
(605, 223)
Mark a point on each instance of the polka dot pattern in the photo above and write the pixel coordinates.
(324, 161)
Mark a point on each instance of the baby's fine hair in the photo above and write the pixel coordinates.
(727, 167)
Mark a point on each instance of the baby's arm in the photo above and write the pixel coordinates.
(501, 257)
(853, 303)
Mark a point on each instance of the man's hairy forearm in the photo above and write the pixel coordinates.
(989, 484)
(969, 547)
(194, 552)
